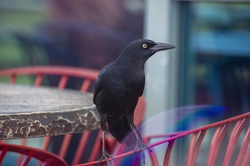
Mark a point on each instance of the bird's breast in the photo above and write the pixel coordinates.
(120, 92)
(125, 86)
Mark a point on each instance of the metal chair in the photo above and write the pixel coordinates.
(226, 131)
(235, 149)
(65, 74)
(28, 154)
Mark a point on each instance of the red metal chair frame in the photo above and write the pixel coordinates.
(46, 158)
(65, 72)
(197, 136)
(89, 76)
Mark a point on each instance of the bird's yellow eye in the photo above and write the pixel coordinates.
(144, 45)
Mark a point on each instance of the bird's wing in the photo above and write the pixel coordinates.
(142, 85)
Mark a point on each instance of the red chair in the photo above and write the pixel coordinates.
(28, 153)
(233, 133)
(88, 76)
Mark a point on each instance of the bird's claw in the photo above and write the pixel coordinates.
(142, 146)
(106, 156)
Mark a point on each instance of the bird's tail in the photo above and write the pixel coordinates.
(121, 131)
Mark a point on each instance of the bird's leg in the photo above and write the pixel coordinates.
(105, 154)
(139, 142)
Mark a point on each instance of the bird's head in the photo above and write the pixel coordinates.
(142, 49)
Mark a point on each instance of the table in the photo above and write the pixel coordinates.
(27, 111)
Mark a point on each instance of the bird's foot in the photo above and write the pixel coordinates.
(106, 156)
(142, 146)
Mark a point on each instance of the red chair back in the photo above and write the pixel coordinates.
(28, 153)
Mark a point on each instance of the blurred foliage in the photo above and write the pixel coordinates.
(20, 20)
(17, 20)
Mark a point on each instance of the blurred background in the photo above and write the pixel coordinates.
(209, 66)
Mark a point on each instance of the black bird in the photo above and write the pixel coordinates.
(118, 87)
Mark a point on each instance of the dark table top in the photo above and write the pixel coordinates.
(27, 111)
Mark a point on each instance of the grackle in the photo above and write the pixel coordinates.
(118, 87)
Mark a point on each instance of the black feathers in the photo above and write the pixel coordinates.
(118, 87)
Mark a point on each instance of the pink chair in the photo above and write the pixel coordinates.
(89, 76)
(236, 127)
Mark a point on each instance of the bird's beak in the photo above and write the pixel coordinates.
(161, 47)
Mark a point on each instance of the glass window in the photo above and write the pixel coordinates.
(215, 55)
